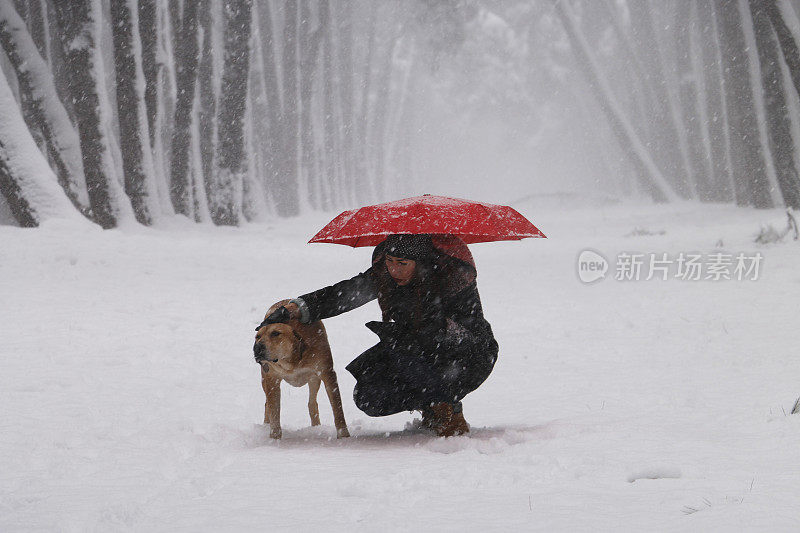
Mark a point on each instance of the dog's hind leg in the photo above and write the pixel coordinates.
(332, 388)
(313, 407)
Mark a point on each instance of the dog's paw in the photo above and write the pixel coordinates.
(275, 433)
(342, 433)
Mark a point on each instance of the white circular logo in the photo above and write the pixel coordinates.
(591, 266)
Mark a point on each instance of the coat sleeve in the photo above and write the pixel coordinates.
(339, 297)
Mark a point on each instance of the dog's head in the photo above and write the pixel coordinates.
(278, 342)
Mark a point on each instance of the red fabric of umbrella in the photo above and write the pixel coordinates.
(439, 215)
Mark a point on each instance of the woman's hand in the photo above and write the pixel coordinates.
(281, 315)
(294, 311)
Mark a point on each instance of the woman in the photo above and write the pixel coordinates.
(435, 345)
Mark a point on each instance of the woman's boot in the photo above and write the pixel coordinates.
(429, 420)
(448, 422)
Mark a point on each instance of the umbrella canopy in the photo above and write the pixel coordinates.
(439, 215)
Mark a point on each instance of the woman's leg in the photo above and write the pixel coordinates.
(377, 398)
(379, 390)
(391, 379)
(403, 377)
(467, 368)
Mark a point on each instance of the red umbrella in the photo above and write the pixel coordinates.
(468, 220)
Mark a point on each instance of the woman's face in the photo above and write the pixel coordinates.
(402, 270)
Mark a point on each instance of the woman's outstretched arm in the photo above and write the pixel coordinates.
(337, 298)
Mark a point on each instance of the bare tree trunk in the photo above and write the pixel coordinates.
(148, 34)
(648, 173)
(786, 40)
(256, 129)
(26, 97)
(667, 146)
(174, 10)
(21, 7)
(309, 52)
(379, 122)
(346, 70)
(687, 92)
(259, 136)
(26, 181)
(200, 200)
(37, 22)
(58, 66)
(43, 112)
(363, 178)
(406, 123)
(402, 120)
(134, 141)
(167, 22)
(639, 80)
(274, 120)
(778, 121)
(24, 214)
(206, 100)
(226, 198)
(186, 77)
(716, 116)
(79, 22)
(287, 194)
(750, 180)
(330, 171)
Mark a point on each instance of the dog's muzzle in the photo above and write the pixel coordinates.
(260, 353)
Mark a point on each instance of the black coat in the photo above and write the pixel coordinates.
(435, 344)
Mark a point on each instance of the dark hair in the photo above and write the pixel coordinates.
(442, 271)
(427, 280)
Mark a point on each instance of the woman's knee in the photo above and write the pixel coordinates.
(372, 400)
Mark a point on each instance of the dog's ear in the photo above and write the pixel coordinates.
(302, 342)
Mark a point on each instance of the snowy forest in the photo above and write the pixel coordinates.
(174, 172)
(232, 111)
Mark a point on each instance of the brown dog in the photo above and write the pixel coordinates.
(298, 354)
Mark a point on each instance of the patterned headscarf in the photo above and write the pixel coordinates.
(414, 247)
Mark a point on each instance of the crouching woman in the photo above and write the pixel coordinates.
(435, 345)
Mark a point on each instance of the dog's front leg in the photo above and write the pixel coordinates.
(272, 388)
(265, 385)
(332, 388)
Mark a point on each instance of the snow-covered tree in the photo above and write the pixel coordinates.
(652, 179)
(26, 181)
(778, 121)
(229, 112)
(225, 195)
(134, 136)
(42, 109)
(186, 73)
(80, 21)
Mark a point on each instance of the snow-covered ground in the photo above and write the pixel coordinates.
(129, 398)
